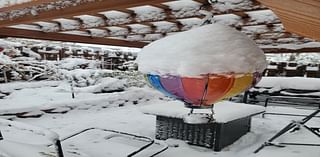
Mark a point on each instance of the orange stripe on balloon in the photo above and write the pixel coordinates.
(218, 86)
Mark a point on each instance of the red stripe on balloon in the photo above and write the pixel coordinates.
(194, 89)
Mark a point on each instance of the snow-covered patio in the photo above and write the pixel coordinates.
(241, 78)
(121, 111)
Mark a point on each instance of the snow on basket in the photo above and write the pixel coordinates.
(203, 65)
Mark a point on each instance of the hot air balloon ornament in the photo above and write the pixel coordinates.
(203, 65)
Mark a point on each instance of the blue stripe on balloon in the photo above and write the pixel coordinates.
(154, 80)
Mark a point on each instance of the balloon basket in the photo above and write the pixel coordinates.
(203, 127)
(213, 135)
(199, 117)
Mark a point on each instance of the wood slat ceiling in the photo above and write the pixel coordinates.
(67, 20)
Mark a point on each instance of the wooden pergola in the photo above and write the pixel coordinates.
(135, 23)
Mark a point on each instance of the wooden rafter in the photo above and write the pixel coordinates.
(179, 25)
(147, 22)
(83, 9)
(26, 5)
(285, 50)
(21, 33)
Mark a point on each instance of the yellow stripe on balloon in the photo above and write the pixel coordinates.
(241, 83)
(147, 80)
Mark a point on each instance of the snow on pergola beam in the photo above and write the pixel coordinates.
(31, 3)
(85, 8)
(22, 33)
(287, 50)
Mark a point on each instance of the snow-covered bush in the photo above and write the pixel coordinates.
(77, 63)
(92, 77)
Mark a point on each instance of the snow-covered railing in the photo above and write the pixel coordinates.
(298, 83)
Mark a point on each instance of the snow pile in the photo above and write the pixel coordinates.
(208, 49)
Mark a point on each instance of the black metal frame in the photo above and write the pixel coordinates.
(58, 147)
(295, 125)
(56, 143)
(150, 140)
(1, 137)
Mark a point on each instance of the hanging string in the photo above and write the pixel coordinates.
(209, 16)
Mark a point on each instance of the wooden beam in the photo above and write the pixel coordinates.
(297, 16)
(25, 5)
(21, 33)
(83, 9)
(285, 50)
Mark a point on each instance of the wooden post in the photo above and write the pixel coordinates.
(5, 75)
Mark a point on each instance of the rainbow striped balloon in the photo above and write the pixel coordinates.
(203, 91)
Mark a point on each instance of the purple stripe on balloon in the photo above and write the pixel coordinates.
(173, 85)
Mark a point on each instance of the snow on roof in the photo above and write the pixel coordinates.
(153, 36)
(212, 48)
(190, 23)
(135, 37)
(184, 8)
(98, 32)
(147, 12)
(225, 5)
(68, 24)
(263, 16)
(116, 17)
(224, 111)
(139, 28)
(116, 31)
(165, 26)
(27, 27)
(227, 19)
(262, 29)
(7, 3)
(76, 33)
(91, 21)
(293, 46)
(48, 26)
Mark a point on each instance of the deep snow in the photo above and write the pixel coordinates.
(122, 111)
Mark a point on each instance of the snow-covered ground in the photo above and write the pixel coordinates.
(48, 104)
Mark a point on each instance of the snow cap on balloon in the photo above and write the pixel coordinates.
(210, 49)
(203, 65)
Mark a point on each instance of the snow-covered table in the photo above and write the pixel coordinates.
(231, 121)
(286, 90)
